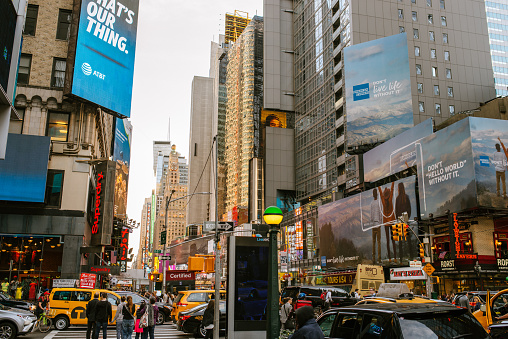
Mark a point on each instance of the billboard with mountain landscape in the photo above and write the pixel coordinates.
(378, 90)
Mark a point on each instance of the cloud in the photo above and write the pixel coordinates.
(360, 54)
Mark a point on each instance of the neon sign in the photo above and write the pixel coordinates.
(98, 191)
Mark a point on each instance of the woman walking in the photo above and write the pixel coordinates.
(128, 318)
(207, 321)
(140, 311)
(153, 313)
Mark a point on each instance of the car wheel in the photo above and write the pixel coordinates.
(61, 323)
(200, 332)
(160, 318)
(7, 331)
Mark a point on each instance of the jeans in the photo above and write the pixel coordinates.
(148, 331)
(98, 326)
(500, 177)
(127, 328)
(119, 331)
(90, 329)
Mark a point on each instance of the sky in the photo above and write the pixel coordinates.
(173, 46)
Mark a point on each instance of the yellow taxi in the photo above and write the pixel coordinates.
(188, 299)
(68, 305)
(494, 308)
(395, 293)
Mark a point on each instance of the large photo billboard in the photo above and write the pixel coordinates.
(357, 230)
(378, 90)
(104, 54)
(122, 156)
(396, 154)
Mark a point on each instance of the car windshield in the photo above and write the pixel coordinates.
(178, 298)
(442, 325)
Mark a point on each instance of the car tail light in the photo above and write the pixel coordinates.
(180, 304)
(184, 317)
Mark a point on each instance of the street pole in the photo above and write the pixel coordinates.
(216, 311)
(165, 241)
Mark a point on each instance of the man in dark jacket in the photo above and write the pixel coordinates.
(103, 316)
(463, 301)
(90, 315)
(306, 326)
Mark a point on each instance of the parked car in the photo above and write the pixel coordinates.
(15, 321)
(9, 301)
(400, 321)
(189, 321)
(188, 299)
(498, 307)
(164, 310)
(311, 296)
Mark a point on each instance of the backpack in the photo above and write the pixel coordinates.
(323, 295)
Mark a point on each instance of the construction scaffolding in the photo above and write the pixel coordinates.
(235, 24)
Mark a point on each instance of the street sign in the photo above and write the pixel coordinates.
(163, 237)
(429, 269)
(166, 257)
(415, 263)
(157, 251)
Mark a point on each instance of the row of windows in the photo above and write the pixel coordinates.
(432, 35)
(500, 27)
(437, 107)
(429, 3)
(498, 58)
(436, 90)
(430, 17)
(57, 125)
(499, 48)
(433, 54)
(496, 5)
(435, 73)
(497, 16)
(498, 37)
(57, 74)
(501, 70)
(63, 26)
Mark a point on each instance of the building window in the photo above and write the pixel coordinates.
(25, 61)
(432, 53)
(413, 1)
(416, 35)
(401, 29)
(58, 74)
(420, 87)
(448, 73)
(429, 3)
(432, 36)
(414, 16)
(452, 109)
(16, 126)
(436, 89)
(450, 92)
(417, 51)
(401, 14)
(32, 11)
(445, 38)
(443, 21)
(442, 4)
(447, 55)
(54, 188)
(421, 106)
(58, 126)
(64, 24)
(418, 69)
(434, 71)
(430, 18)
(438, 108)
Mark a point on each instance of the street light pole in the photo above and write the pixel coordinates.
(273, 217)
(165, 241)
(216, 310)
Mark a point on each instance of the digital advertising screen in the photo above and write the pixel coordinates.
(24, 171)
(7, 29)
(105, 51)
(122, 155)
(378, 90)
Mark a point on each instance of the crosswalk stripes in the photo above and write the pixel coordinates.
(161, 332)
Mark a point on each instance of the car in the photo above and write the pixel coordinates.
(189, 321)
(15, 321)
(188, 299)
(68, 305)
(400, 321)
(498, 305)
(164, 310)
(311, 296)
(9, 301)
(395, 293)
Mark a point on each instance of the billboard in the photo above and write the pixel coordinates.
(396, 154)
(24, 171)
(357, 230)
(122, 155)
(104, 54)
(7, 29)
(378, 90)
(102, 225)
(273, 119)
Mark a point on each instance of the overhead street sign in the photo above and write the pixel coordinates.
(429, 269)
(157, 251)
(167, 257)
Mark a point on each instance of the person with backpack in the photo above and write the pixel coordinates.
(148, 319)
(139, 312)
(286, 315)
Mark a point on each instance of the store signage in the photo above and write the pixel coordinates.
(407, 273)
(502, 264)
(444, 230)
(179, 275)
(102, 213)
(339, 279)
(123, 266)
(310, 236)
(415, 263)
(97, 211)
(447, 265)
(124, 245)
(454, 229)
(124, 282)
(283, 261)
(62, 283)
(87, 280)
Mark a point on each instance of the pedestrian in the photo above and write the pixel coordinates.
(207, 321)
(90, 315)
(286, 312)
(5, 286)
(128, 318)
(119, 318)
(153, 313)
(13, 286)
(103, 316)
(356, 294)
(139, 312)
(165, 298)
(306, 325)
(328, 300)
(463, 301)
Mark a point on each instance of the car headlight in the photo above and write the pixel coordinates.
(26, 318)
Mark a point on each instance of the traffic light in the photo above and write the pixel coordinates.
(155, 277)
(422, 251)
(395, 232)
(195, 264)
(406, 231)
(151, 276)
(210, 265)
(158, 278)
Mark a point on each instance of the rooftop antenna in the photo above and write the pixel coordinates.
(169, 128)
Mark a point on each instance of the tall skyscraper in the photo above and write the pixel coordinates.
(235, 24)
(497, 21)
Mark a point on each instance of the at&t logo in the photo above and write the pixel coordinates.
(87, 70)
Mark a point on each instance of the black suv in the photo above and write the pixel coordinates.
(400, 321)
(313, 294)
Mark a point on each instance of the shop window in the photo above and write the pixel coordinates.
(58, 126)
(64, 24)
(62, 295)
(54, 187)
(501, 245)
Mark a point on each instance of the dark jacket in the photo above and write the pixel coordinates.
(141, 310)
(90, 309)
(310, 330)
(208, 317)
(103, 312)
